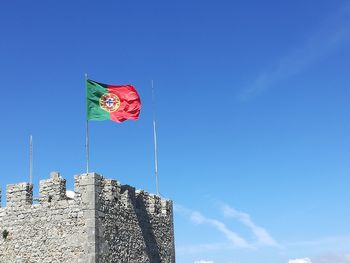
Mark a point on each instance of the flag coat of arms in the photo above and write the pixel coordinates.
(112, 102)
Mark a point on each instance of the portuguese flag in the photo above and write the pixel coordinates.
(112, 102)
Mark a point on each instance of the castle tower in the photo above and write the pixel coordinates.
(104, 222)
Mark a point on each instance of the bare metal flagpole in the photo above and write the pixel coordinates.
(155, 141)
(31, 159)
(87, 134)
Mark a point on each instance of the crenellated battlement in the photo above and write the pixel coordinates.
(107, 192)
(103, 222)
(153, 203)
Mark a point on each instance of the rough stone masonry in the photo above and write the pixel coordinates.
(105, 222)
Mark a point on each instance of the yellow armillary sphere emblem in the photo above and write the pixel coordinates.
(109, 102)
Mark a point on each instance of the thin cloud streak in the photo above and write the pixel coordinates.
(332, 36)
(234, 238)
(262, 236)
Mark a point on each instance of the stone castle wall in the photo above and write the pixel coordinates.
(104, 222)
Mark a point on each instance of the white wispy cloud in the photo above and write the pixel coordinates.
(340, 257)
(300, 260)
(334, 258)
(320, 242)
(334, 34)
(330, 244)
(262, 237)
(261, 234)
(204, 261)
(233, 237)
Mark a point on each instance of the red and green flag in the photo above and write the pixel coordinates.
(112, 102)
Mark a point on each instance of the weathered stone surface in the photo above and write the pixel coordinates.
(105, 222)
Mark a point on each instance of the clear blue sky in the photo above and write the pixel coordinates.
(253, 115)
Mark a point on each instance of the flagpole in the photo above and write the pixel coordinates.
(87, 136)
(155, 140)
(31, 159)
